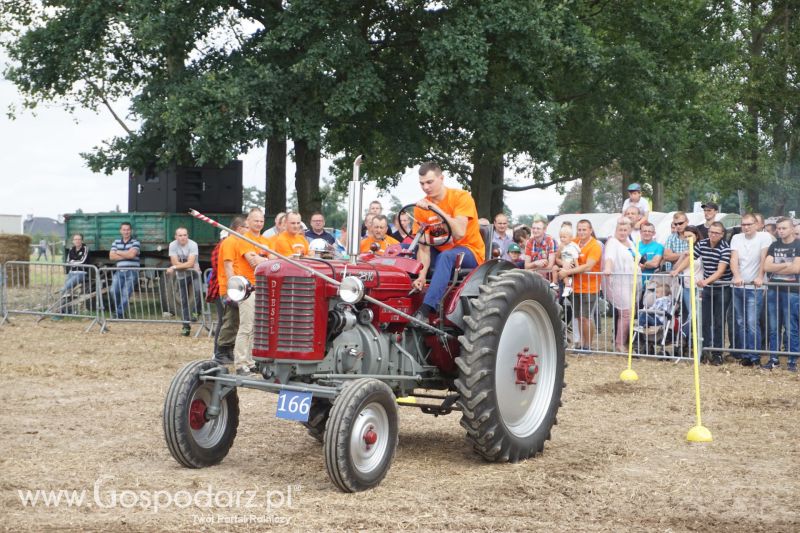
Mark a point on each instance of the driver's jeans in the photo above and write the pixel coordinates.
(443, 263)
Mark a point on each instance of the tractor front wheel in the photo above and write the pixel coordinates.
(511, 368)
(361, 435)
(194, 439)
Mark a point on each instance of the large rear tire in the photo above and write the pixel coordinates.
(511, 368)
(193, 439)
(361, 435)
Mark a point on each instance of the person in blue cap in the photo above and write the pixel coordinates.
(635, 199)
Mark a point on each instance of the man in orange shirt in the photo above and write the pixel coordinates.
(229, 325)
(377, 234)
(246, 257)
(586, 283)
(293, 240)
(458, 208)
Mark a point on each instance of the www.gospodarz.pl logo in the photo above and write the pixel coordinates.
(105, 497)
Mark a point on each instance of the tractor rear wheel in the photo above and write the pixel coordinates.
(361, 435)
(511, 368)
(194, 439)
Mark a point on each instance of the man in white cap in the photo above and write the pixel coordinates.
(635, 199)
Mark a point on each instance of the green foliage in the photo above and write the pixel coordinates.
(253, 197)
(697, 95)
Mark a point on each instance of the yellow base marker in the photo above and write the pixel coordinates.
(629, 375)
(698, 433)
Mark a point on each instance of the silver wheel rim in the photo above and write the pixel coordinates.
(367, 458)
(212, 431)
(524, 410)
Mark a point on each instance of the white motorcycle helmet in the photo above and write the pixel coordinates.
(319, 248)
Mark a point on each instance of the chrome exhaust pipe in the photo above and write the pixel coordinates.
(355, 190)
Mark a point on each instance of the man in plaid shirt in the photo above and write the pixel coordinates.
(676, 246)
(540, 251)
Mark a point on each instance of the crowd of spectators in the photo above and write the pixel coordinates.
(751, 283)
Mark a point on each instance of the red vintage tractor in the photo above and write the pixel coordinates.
(338, 342)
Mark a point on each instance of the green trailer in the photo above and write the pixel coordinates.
(153, 230)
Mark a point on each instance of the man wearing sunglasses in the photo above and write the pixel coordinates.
(676, 245)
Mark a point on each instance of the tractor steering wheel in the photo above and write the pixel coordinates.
(431, 234)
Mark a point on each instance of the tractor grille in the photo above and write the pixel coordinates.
(284, 317)
(296, 318)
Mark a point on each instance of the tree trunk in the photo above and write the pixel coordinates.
(307, 178)
(587, 193)
(275, 178)
(658, 196)
(487, 184)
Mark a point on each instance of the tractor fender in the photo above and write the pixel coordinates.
(457, 304)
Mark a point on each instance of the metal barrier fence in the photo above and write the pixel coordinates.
(50, 289)
(103, 295)
(747, 322)
(154, 295)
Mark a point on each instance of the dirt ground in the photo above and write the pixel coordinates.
(82, 412)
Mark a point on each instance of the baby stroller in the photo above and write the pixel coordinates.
(658, 326)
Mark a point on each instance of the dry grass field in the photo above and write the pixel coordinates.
(82, 412)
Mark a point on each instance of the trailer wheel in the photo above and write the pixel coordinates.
(511, 368)
(194, 439)
(317, 418)
(361, 435)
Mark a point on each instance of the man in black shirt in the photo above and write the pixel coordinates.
(317, 230)
(782, 266)
(77, 272)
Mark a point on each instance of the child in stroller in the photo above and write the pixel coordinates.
(657, 321)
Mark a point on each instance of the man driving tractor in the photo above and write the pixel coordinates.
(457, 208)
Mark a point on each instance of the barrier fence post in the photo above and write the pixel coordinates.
(698, 433)
(629, 374)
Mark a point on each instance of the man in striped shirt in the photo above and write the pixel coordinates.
(716, 256)
(125, 253)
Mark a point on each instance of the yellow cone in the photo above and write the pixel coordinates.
(699, 434)
(629, 374)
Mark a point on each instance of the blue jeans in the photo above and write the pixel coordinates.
(748, 304)
(715, 304)
(783, 311)
(122, 285)
(443, 263)
(187, 307)
(74, 278)
(649, 319)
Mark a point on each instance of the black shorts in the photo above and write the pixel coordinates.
(583, 304)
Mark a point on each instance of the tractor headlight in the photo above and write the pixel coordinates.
(351, 290)
(239, 288)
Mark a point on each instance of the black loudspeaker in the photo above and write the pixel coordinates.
(178, 189)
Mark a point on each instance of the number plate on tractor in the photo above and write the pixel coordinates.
(294, 405)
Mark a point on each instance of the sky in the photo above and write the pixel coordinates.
(43, 174)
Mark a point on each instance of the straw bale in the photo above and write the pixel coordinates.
(16, 248)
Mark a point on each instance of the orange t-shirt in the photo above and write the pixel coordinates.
(367, 242)
(240, 265)
(588, 283)
(457, 203)
(287, 245)
(227, 250)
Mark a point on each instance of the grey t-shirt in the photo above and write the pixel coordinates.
(183, 253)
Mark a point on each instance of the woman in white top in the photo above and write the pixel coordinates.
(619, 268)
